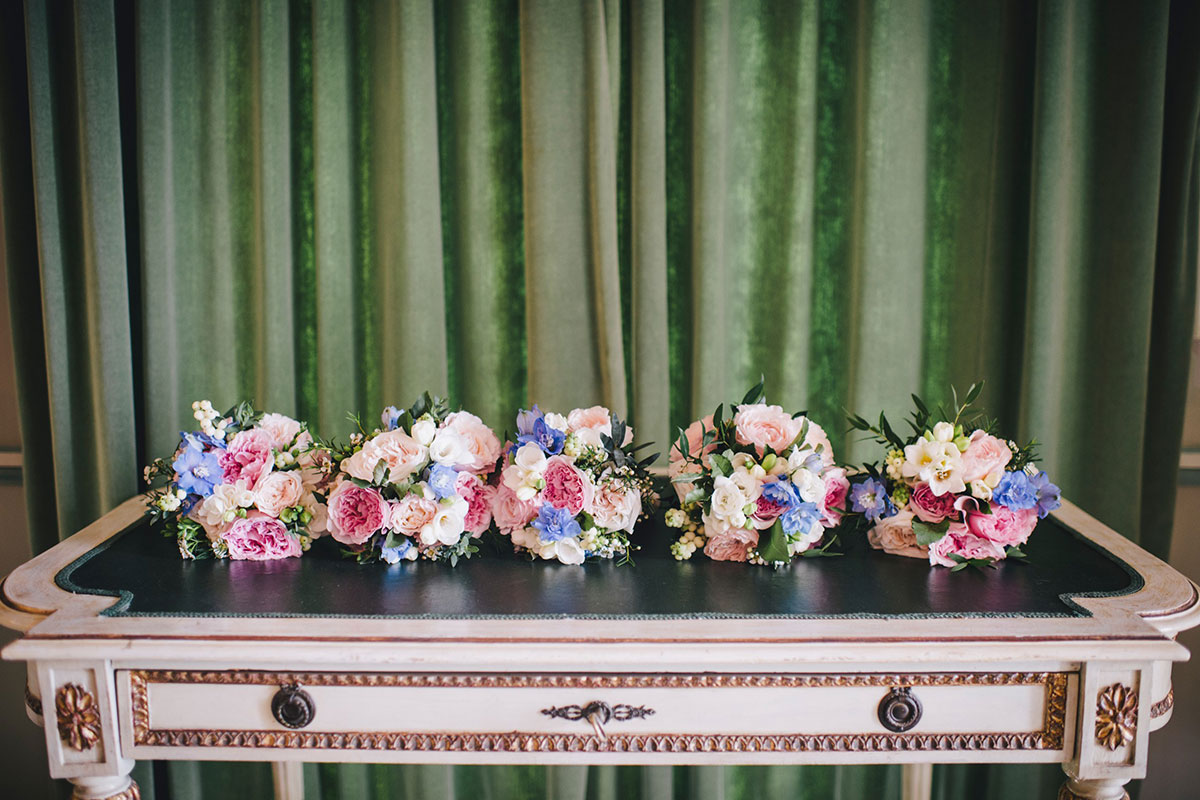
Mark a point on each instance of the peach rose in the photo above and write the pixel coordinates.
(402, 454)
(732, 544)
(282, 429)
(258, 537)
(511, 512)
(961, 542)
(410, 514)
(895, 535)
(677, 466)
(1004, 526)
(764, 426)
(984, 455)
(589, 423)
(355, 513)
(614, 508)
(276, 491)
(481, 441)
(816, 437)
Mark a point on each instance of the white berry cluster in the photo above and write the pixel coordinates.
(692, 538)
(208, 418)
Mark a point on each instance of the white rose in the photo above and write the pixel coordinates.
(748, 483)
(423, 430)
(450, 448)
(810, 485)
(447, 524)
(276, 491)
(728, 502)
(589, 437)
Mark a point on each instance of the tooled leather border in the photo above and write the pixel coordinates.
(1049, 738)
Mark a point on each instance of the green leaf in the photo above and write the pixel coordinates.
(694, 496)
(683, 444)
(687, 477)
(973, 393)
(929, 533)
(718, 415)
(721, 464)
(380, 472)
(755, 393)
(920, 404)
(773, 544)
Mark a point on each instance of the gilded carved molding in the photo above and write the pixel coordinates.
(131, 793)
(1049, 738)
(33, 701)
(78, 719)
(1164, 705)
(1116, 716)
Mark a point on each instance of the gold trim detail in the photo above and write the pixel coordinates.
(33, 701)
(132, 792)
(1164, 705)
(1049, 738)
(1116, 716)
(78, 720)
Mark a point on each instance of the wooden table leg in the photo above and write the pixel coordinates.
(917, 782)
(1106, 789)
(289, 780)
(120, 787)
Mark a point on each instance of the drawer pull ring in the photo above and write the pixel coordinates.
(900, 710)
(599, 713)
(293, 707)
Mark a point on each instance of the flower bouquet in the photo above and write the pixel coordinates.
(952, 491)
(569, 489)
(247, 485)
(415, 487)
(759, 486)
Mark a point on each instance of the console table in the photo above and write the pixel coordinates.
(864, 658)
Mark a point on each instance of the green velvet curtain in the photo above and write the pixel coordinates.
(330, 206)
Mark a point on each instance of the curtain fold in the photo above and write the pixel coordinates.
(329, 207)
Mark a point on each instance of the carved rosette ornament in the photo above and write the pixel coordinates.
(78, 720)
(1116, 716)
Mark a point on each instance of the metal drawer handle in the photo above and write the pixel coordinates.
(599, 713)
(900, 711)
(293, 707)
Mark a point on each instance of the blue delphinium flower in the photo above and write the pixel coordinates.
(441, 481)
(1015, 491)
(394, 555)
(556, 523)
(782, 493)
(798, 515)
(870, 498)
(198, 471)
(390, 418)
(1048, 495)
(549, 439)
(526, 418)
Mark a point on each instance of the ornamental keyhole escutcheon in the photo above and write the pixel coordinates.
(293, 707)
(900, 710)
(598, 714)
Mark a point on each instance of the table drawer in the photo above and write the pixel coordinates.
(596, 713)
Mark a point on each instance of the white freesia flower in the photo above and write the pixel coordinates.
(810, 485)
(222, 505)
(567, 551)
(524, 475)
(447, 524)
(936, 461)
(980, 490)
(556, 421)
(529, 538)
(728, 502)
(423, 430)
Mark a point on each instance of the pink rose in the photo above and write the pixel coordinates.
(894, 535)
(511, 512)
(984, 455)
(355, 513)
(961, 542)
(276, 491)
(1003, 526)
(479, 497)
(597, 420)
(247, 457)
(816, 437)
(765, 512)
(930, 507)
(481, 441)
(837, 486)
(402, 454)
(566, 487)
(614, 508)
(283, 430)
(732, 544)
(765, 426)
(258, 537)
(410, 514)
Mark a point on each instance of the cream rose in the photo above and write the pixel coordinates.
(589, 423)
(481, 441)
(728, 502)
(276, 491)
(763, 426)
(895, 535)
(282, 429)
(411, 513)
(221, 507)
(402, 454)
(614, 508)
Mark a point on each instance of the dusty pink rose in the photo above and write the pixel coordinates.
(1003, 526)
(248, 456)
(566, 486)
(930, 507)
(837, 486)
(984, 455)
(731, 544)
(614, 508)
(283, 430)
(511, 512)
(481, 441)
(402, 454)
(894, 535)
(410, 514)
(595, 421)
(961, 542)
(764, 426)
(479, 497)
(276, 491)
(355, 513)
(258, 537)
(765, 512)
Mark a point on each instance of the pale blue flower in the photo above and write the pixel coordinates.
(390, 418)
(198, 471)
(1048, 495)
(1015, 491)
(441, 481)
(556, 523)
(870, 498)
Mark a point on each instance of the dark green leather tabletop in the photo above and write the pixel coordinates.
(145, 571)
